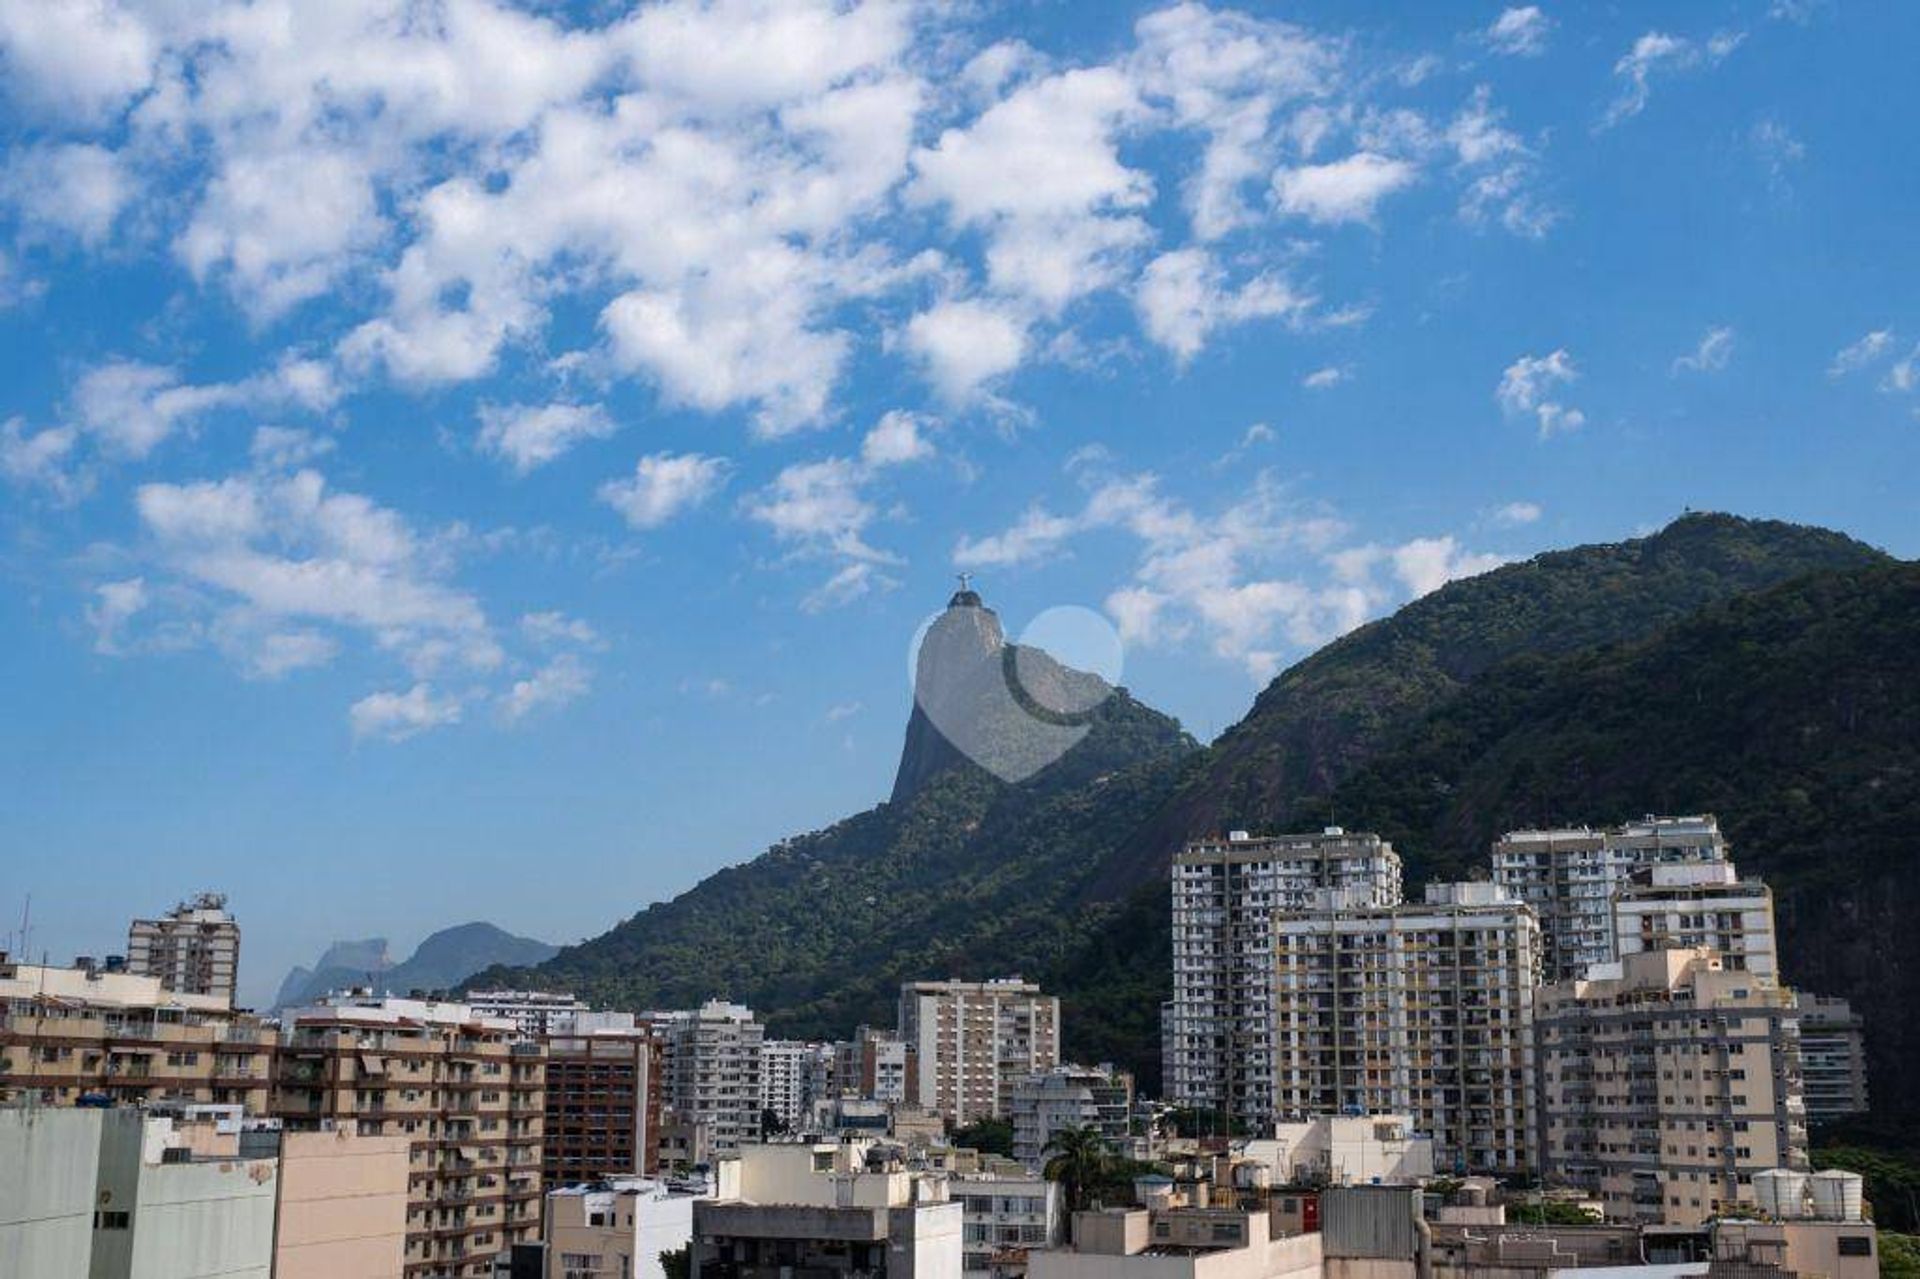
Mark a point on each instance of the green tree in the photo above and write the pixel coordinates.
(1899, 1256)
(1079, 1159)
(677, 1264)
(989, 1136)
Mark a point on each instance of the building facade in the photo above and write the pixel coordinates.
(615, 1230)
(1004, 1218)
(535, 1012)
(1688, 905)
(194, 949)
(1667, 1083)
(68, 1034)
(1570, 875)
(1424, 1010)
(793, 1075)
(467, 1092)
(712, 1065)
(1218, 1031)
(1833, 1058)
(973, 1040)
(1064, 1098)
(604, 1099)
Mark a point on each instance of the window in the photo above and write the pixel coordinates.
(105, 1220)
(1855, 1245)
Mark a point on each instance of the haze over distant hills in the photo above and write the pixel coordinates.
(1766, 672)
(441, 962)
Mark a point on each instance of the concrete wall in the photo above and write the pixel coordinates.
(343, 1206)
(190, 1220)
(49, 1164)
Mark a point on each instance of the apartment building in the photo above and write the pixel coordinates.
(874, 1064)
(1064, 1098)
(1667, 1082)
(535, 1012)
(194, 949)
(1217, 1031)
(1005, 1215)
(973, 1040)
(1425, 1010)
(617, 1229)
(793, 1075)
(712, 1064)
(1688, 905)
(467, 1091)
(68, 1034)
(847, 1208)
(1833, 1058)
(604, 1097)
(1570, 875)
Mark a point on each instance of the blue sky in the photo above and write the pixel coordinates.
(459, 461)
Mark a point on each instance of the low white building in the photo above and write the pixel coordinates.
(1178, 1243)
(1343, 1150)
(1005, 1217)
(617, 1230)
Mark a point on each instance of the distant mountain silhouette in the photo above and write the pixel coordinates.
(441, 962)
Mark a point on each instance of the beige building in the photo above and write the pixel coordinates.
(971, 1041)
(342, 1206)
(194, 949)
(468, 1094)
(1667, 1082)
(712, 1084)
(1570, 875)
(1179, 1243)
(1217, 1033)
(1424, 1010)
(1687, 905)
(69, 1033)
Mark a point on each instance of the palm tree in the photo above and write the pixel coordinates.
(1080, 1162)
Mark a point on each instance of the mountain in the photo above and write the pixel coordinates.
(1792, 713)
(441, 962)
(973, 871)
(1060, 874)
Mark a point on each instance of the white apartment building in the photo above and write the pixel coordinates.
(1667, 1083)
(616, 1230)
(1342, 1150)
(1003, 1218)
(712, 1073)
(793, 1075)
(535, 1012)
(1064, 1098)
(1217, 1031)
(1424, 1010)
(1570, 875)
(971, 1041)
(1687, 905)
(194, 949)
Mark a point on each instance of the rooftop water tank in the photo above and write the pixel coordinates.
(1837, 1195)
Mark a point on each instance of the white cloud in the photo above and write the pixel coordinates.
(284, 448)
(549, 629)
(1184, 296)
(1327, 378)
(1520, 31)
(564, 679)
(1343, 191)
(42, 459)
(1658, 53)
(1778, 149)
(1426, 564)
(114, 604)
(1904, 376)
(850, 583)
(1527, 389)
(1711, 355)
(897, 438)
(1515, 514)
(966, 345)
(84, 58)
(819, 506)
(527, 436)
(664, 486)
(78, 189)
(267, 555)
(131, 407)
(398, 716)
(1868, 350)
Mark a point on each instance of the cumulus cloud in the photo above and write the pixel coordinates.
(75, 58)
(527, 436)
(1516, 514)
(1712, 354)
(1859, 355)
(1343, 191)
(897, 438)
(1528, 389)
(114, 603)
(1265, 576)
(564, 679)
(1185, 295)
(664, 486)
(398, 716)
(966, 345)
(1520, 31)
(76, 189)
(1327, 378)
